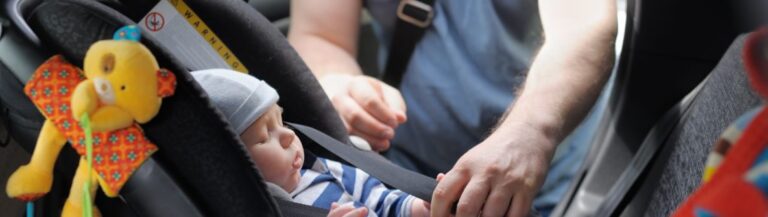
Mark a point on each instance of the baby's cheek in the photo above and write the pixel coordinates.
(262, 162)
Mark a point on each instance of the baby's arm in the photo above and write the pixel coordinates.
(419, 208)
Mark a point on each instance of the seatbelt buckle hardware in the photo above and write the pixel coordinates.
(423, 13)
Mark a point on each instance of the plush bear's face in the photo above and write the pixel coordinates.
(125, 75)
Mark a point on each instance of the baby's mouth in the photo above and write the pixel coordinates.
(298, 161)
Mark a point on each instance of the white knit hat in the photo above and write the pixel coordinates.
(241, 97)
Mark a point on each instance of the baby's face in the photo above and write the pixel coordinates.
(275, 149)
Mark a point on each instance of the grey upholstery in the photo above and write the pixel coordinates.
(677, 170)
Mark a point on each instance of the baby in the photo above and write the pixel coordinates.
(251, 107)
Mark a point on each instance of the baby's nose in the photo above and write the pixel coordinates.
(286, 137)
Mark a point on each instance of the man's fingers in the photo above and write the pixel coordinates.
(472, 198)
(361, 121)
(447, 193)
(498, 202)
(521, 205)
(377, 144)
(370, 97)
(395, 100)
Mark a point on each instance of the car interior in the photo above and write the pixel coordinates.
(678, 81)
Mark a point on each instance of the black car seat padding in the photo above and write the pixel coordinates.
(268, 56)
(202, 155)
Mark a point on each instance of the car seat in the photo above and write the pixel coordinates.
(69, 27)
(194, 173)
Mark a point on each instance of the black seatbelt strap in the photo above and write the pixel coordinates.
(293, 209)
(413, 18)
(628, 183)
(408, 181)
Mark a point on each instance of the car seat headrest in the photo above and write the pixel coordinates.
(267, 55)
(211, 167)
(70, 27)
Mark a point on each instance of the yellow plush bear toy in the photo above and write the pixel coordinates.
(122, 85)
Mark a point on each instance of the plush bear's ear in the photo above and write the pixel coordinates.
(166, 83)
(756, 61)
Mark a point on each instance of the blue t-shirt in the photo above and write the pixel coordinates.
(462, 76)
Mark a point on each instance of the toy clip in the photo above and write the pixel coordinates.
(130, 32)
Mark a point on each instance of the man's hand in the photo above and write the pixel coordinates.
(347, 210)
(501, 175)
(498, 177)
(325, 35)
(369, 108)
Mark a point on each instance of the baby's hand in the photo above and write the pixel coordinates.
(347, 210)
(420, 207)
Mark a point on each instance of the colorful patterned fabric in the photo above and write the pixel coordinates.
(724, 143)
(115, 154)
(735, 181)
(166, 83)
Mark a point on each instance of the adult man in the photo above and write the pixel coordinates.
(461, 77)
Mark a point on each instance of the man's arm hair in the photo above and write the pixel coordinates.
(564, 82)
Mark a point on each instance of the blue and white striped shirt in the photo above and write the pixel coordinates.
(330, 181)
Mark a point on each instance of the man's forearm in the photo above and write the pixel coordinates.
(324, 33)
(562, 85)
(324, 57)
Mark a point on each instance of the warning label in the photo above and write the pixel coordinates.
(180, 30)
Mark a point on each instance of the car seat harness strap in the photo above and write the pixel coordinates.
(413, 19)
(408, 181)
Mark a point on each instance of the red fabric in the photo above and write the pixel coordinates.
(115, 154)
(734, 197)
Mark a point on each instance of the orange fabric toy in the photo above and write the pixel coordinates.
(121, 87)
